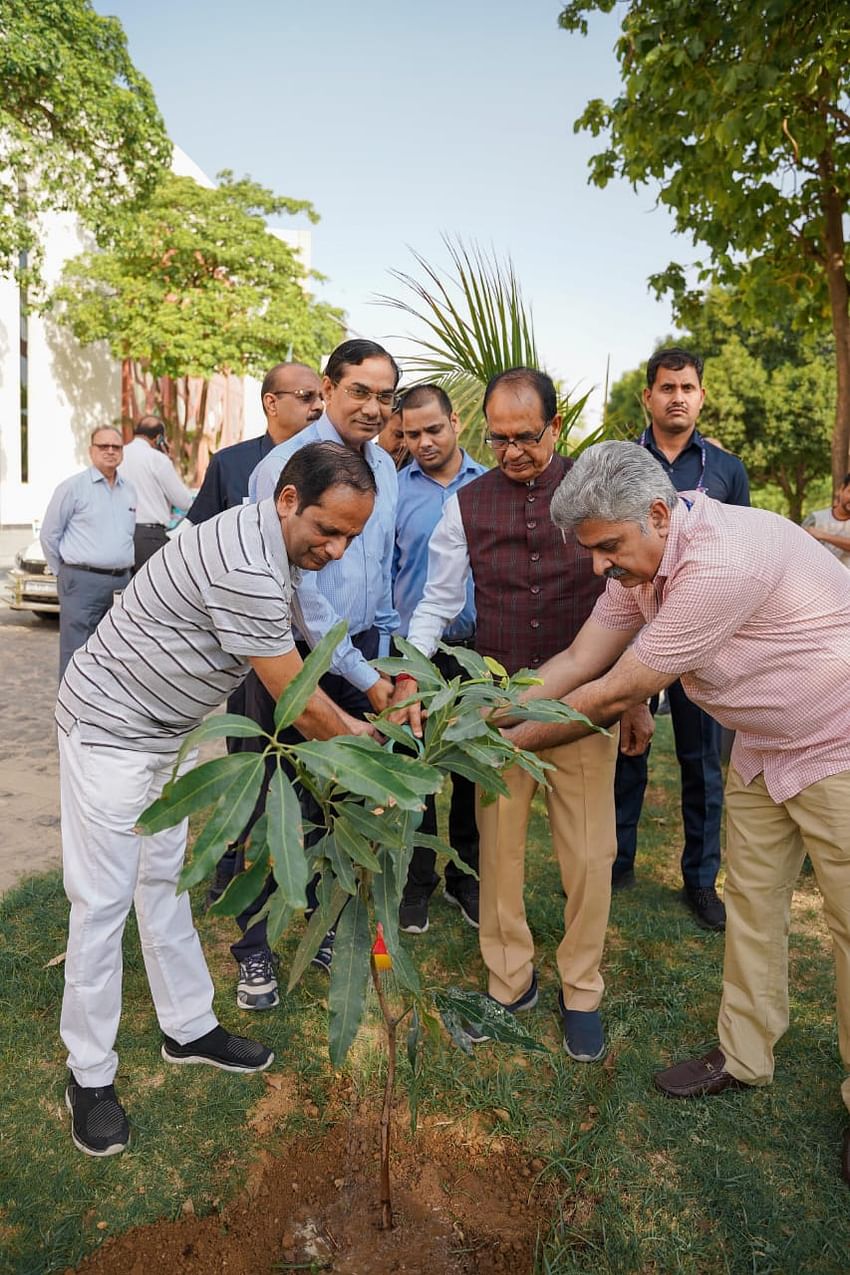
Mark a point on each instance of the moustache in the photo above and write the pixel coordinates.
(615, 573)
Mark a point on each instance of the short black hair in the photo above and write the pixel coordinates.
(674, 358)
(318, 466)
(271, 376)
(149, 427)
(543, 386)
(352, 353)
(418, 395)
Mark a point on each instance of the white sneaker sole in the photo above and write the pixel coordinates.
(81, 1146)
(243, 1001)
(454, 902)
(193, 1059)
(415, 929)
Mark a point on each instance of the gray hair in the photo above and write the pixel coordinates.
(611, 482)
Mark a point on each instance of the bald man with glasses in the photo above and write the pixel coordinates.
(87, 538)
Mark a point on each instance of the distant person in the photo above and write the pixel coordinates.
(291, 398)
(87, 539)
(755, 620)
(159, 489)
(213, 603)
(832, 526)
(673, 398)
(439, 467)
(391, 438)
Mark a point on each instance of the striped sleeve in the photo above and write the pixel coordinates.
(250, 613)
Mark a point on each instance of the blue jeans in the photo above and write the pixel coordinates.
(697, 739)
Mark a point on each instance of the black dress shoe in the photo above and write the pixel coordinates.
(845, 1157)
(698, 1077)
(706, 905)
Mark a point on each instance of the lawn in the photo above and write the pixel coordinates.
(747, 1182)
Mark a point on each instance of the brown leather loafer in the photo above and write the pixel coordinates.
(845, 1157)
(698, 1077)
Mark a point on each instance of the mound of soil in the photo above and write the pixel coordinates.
(463, 1205)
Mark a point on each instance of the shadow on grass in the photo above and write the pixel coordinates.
(747, 1182)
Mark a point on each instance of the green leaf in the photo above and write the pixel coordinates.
(383, 828)
(280, 914)
(294, 697)
(286, 839)
(352, 843)
(369, 772)
(469, 724)
(229, 725)
(548, 710)
(497, 669)
(401, 735)
(349, 978)
(331, 900)
(475, 1008)
(244, 887)
(470, 661)
(386, 894)
(442, 847)
(340, 865)
(194, 791)
(454, 1027)
(227, 821)
(488, 778)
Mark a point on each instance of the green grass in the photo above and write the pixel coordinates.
(746, 1182)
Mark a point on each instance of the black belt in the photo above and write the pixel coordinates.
(152, 526)
(98, 571)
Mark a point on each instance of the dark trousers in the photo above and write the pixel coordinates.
(697, 739)
(84, 598)
(148, 539)
(260, 706)
(422, 877)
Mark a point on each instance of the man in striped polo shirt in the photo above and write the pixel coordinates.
(215, 602)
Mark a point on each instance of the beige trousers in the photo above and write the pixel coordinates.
(580, 803)
(765, 846)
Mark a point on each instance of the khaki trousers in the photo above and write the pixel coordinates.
(580, 803)
(765, 846)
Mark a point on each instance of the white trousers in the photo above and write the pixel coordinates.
(108, 867)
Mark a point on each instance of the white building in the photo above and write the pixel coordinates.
(53, 391)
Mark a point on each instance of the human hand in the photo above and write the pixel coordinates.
(411, 715)
(354, 726)
(637, 726)
(380, 694)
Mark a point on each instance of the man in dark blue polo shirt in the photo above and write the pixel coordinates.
(673, 397)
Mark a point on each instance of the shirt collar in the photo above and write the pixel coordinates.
(98, 477)
(467, 466)
(695, 440)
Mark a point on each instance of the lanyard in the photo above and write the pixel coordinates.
(645, 440)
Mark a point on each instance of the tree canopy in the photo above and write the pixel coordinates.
(79, 127)
(739, 115)
(196, 283)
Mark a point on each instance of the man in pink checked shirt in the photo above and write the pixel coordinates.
(748, 611)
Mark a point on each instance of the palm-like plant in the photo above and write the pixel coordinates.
(477, 325)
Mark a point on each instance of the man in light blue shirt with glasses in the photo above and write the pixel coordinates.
(438, 469)
(359, 391)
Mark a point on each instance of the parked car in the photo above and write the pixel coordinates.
(32, 585)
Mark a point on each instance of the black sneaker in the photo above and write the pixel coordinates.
(624, 880)
(464, 895)
(257, 986)
(413, 915)
(225, 871)
(219, 1049)
(706, 905)
(324, 956)
(98, 1121)
(477, 1033)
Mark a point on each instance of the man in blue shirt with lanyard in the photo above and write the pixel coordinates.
(673, 398)
(359, 390)
(439, 467)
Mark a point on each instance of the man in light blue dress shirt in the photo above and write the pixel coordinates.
(438, 469)
(359, 390)
(87, 538)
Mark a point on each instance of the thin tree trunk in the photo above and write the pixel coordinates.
(839, 296)
(127, 399)
(390, 1024)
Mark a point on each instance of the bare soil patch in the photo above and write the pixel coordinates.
(464, 1204)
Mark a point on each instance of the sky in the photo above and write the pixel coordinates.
(401, 122)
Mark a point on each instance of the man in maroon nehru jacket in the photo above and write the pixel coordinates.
(533, 592)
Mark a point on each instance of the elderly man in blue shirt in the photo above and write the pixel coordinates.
(439, 467)
(87, 538)
(359, 390)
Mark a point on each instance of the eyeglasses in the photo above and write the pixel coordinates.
(109, 447)
(500, 443)
(303, 396)
(362, 394)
